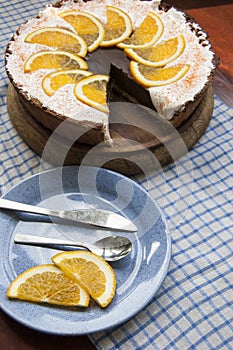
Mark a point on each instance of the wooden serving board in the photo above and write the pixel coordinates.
(145, 153)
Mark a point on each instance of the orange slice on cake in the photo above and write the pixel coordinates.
(48, 284)
(92, 91)
(159, 55)
(92, 272)
(54, 59)
(86, 25)
(147, 34)
(151, 76)
(55, 80)
(118, 27)
(60, 38)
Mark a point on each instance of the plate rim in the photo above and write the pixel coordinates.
(164, 267)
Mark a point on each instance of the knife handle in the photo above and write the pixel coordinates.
(12, 205)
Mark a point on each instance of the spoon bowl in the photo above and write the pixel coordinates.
(113, 248)
(110, 248)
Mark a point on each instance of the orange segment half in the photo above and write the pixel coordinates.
(92, 272)
(159, 55)
(92, 91)
(54, 59)
(147, 34)
(55, 80)
(86, 25)
(47, 284)
(118, 27)
(150, 76)
(60, 38)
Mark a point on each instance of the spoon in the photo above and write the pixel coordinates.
(111, 248)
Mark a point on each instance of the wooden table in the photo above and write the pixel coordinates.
(215, 16)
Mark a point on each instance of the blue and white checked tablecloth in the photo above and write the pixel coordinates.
(193, 308)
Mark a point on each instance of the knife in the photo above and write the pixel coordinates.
(96, 217)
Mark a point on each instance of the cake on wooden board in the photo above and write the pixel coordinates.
(174, 101)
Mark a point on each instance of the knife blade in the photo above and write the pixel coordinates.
(99, 217)
(96, 217)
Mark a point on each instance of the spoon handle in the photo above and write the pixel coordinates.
(42, 241)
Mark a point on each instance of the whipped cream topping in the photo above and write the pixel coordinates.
(167, 99)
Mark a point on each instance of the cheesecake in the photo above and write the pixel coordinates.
(174, 101)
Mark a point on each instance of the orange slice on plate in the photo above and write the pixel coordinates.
(92, 272)
(54, 59)
(48, 284)
(147, 34)
(86, 25)
(60, 38)
(151, 76)
(54, 81)
(118, 27)
(92, 91)
(159, 55)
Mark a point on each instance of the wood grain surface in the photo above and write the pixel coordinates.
(128, 156)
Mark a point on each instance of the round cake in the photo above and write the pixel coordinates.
(167, 67)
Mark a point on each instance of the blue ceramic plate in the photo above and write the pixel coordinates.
(139, 275)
